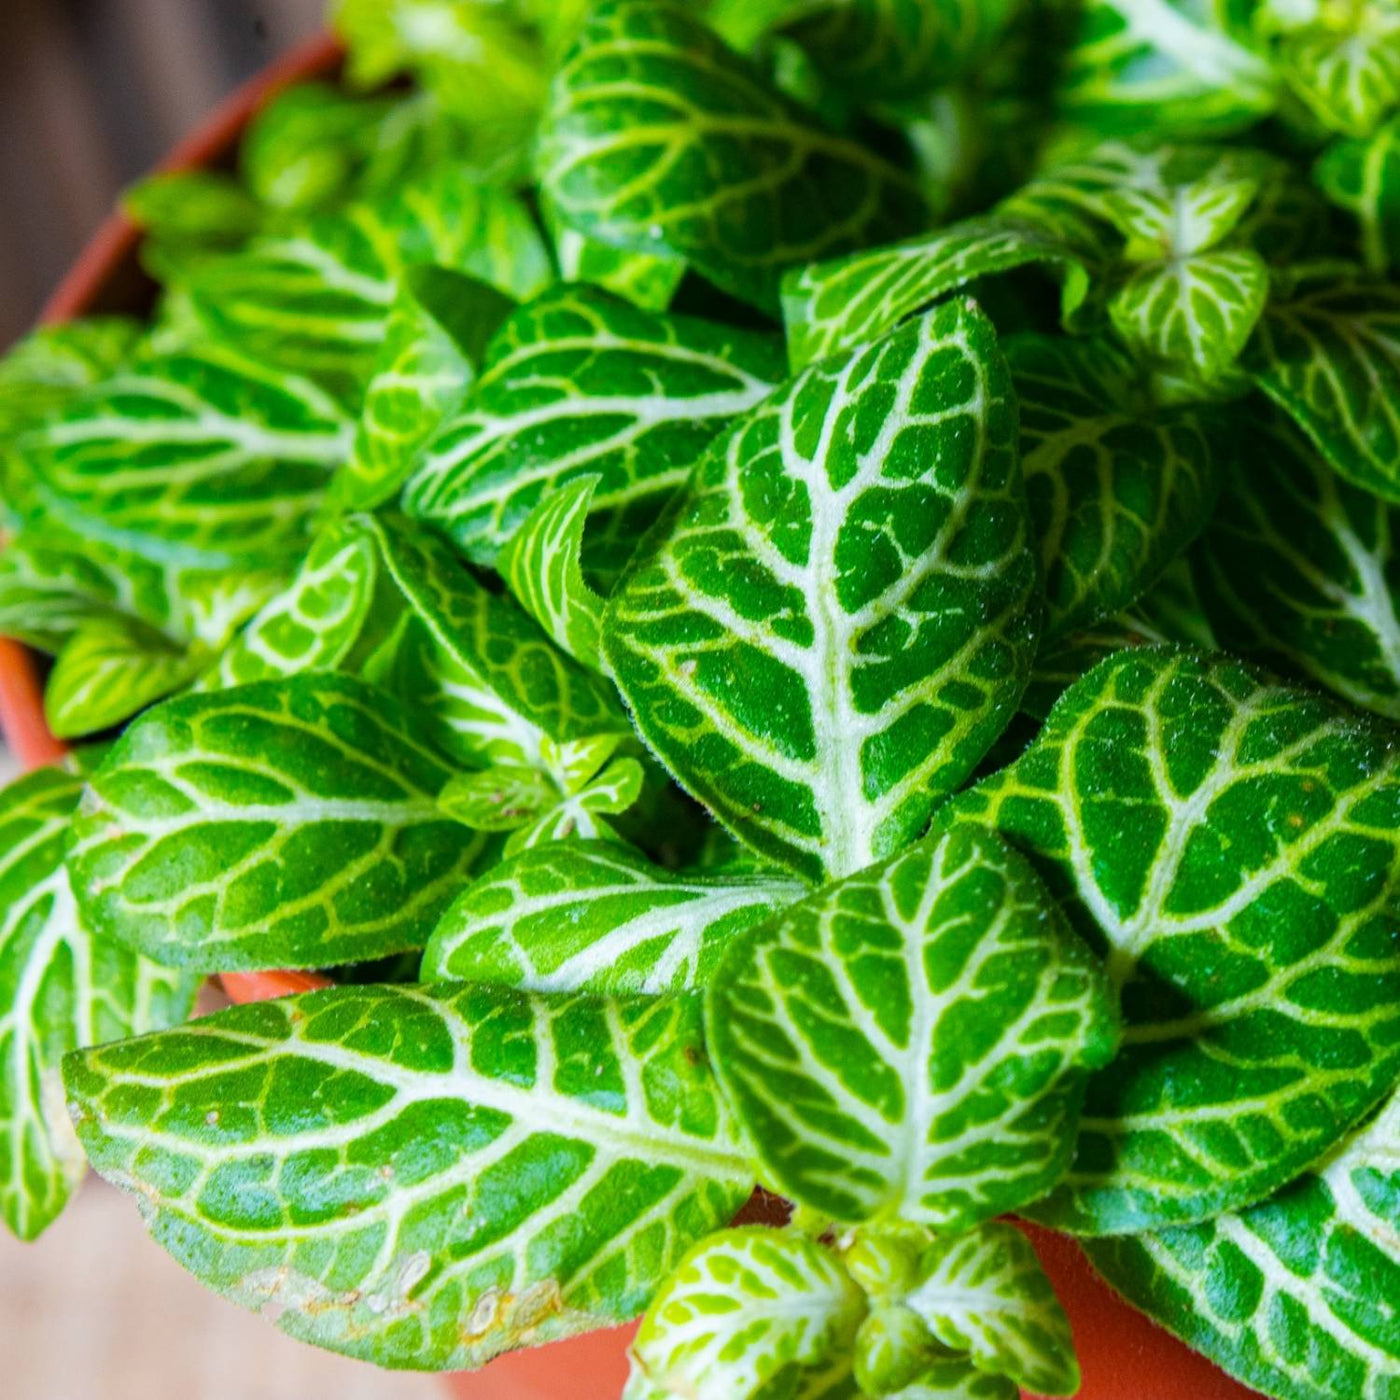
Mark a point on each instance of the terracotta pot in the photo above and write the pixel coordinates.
(1124, 1356)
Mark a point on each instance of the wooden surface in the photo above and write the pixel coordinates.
(92, 94)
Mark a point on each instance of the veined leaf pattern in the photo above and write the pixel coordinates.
(1298, 570)
(890, 50)
(1116, 491)
(111, 668)
(316, 301)
(746, 1315)
(589, 916)
(911, 1043)
(579, 383)
(1347, 73)
(421, 1177)
(287, 823)
(316, 622)
(201, 460)
(1231, 845)
(832, 306)
(60, 988)
(493, 686)
(1363, 177)
(542, 565)
(643, 279)
(840, 617)
(1292, 1296)
(659, 139)
(583, 812)
(434, 340)
(1330, 358)
(1166, 66)
(984, 1293)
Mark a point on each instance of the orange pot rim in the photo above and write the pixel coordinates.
(1121, 1351)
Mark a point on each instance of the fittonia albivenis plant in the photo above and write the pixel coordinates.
(748, 537)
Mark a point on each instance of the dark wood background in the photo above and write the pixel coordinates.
(92, 93)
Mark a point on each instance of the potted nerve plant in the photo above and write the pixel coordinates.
(788, 594)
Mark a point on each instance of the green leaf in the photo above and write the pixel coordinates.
(434, 340)
(1231, 846)
(840, 617)
(60, 988)
(490, 683)
(1189, 218)
(641, 278)
(203, 460)
(52, 365)
(1293, 1297)
(590, 916)
(985, 1293)
(891, 50)
(747, 1314)
(308, 146)
(1168, 67)
(1330, 358)
(1116, 489)
(661, 140)
(188, 215)
(502, 798)
(317, 621)
(317, 300)
(579, 815)
(111, 668)
(910, 1044)
(960, 1380)
(1298, 570)
(1363, 177)
(1195, 314)
(833, 306)
(542, 567)
(421, 1177)
(579, 383)
(1346, 68)
(288, 823)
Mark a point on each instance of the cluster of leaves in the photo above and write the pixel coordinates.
(713, 563)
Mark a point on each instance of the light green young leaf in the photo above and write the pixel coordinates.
(984, 1293)
(60, 988)
(1165, 224)
(111, 668)
(1363, 177)
(957, 1379)
(434, 340)
(579, 815)
(187, 216)
(910, 1044)
(641, 278)
(422, 1177)
(491, 685)
(1330, 358)
(289, 823)
(842, 613)
(1346, 68)
(1299, 570)
(589, 916)
(746, 1316)
(1292, 1297)
(316, 622)
(661, 140)
(1171, 68)
(579, 383)
(306, 149)
(1231, 845)
(317, 300)
(1116, 489)
(833, 306)
(200, 460)
(1193, 315)
(502, 798)
(542, 567)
